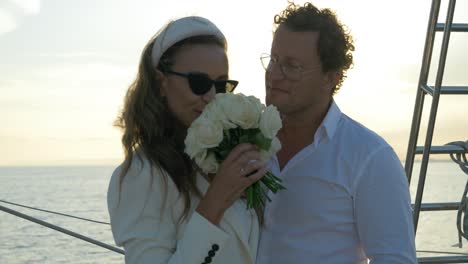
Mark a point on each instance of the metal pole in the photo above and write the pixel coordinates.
(433, 114)
(65, 231)
(423, 76)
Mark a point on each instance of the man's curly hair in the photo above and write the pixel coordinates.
(335, 44)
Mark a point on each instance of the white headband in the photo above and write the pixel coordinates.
(181, 29)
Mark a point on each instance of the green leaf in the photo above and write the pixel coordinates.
(245, 139)
(262, 142)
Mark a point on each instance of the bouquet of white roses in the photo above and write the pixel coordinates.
(227, 121)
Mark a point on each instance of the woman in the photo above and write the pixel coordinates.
(162, 208)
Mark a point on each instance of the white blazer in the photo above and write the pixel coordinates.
(145, 216)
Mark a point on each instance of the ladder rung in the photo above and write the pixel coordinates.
(446, 89)
(456, 27)
(439, 206)
(444, 259)
(447, 149)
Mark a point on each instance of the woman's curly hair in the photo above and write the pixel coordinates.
(335, 44)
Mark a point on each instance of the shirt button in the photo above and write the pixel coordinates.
(215, 247)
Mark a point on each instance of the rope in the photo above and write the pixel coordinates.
(63, 230)
(463, 209)
(441, 252)
(461, 160)
(47, 211)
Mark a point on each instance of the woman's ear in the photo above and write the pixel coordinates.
(162, 80)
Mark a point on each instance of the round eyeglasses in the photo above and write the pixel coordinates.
(290, 71)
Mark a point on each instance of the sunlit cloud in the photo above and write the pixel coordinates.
(12, 12)
(76, 55)
(7, 22)
(30, 7)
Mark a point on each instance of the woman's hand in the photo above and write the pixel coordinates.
(238, 171)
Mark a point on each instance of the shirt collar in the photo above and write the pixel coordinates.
(329, 124)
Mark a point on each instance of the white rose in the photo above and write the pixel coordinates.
(192, 147)
(207, 163)
(256, 102)
(241, 110)
(208, 133)
(275, 146)
(215, 112)
(270, 122)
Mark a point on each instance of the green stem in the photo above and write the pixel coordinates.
(257, 196)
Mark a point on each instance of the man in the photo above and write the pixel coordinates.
(347, 197)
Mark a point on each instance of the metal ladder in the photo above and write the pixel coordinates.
(434, 91)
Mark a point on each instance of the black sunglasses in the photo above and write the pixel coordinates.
(201, 83)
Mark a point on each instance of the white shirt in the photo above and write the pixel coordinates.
(347, 200)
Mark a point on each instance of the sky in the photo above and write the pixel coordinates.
(65, 66)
